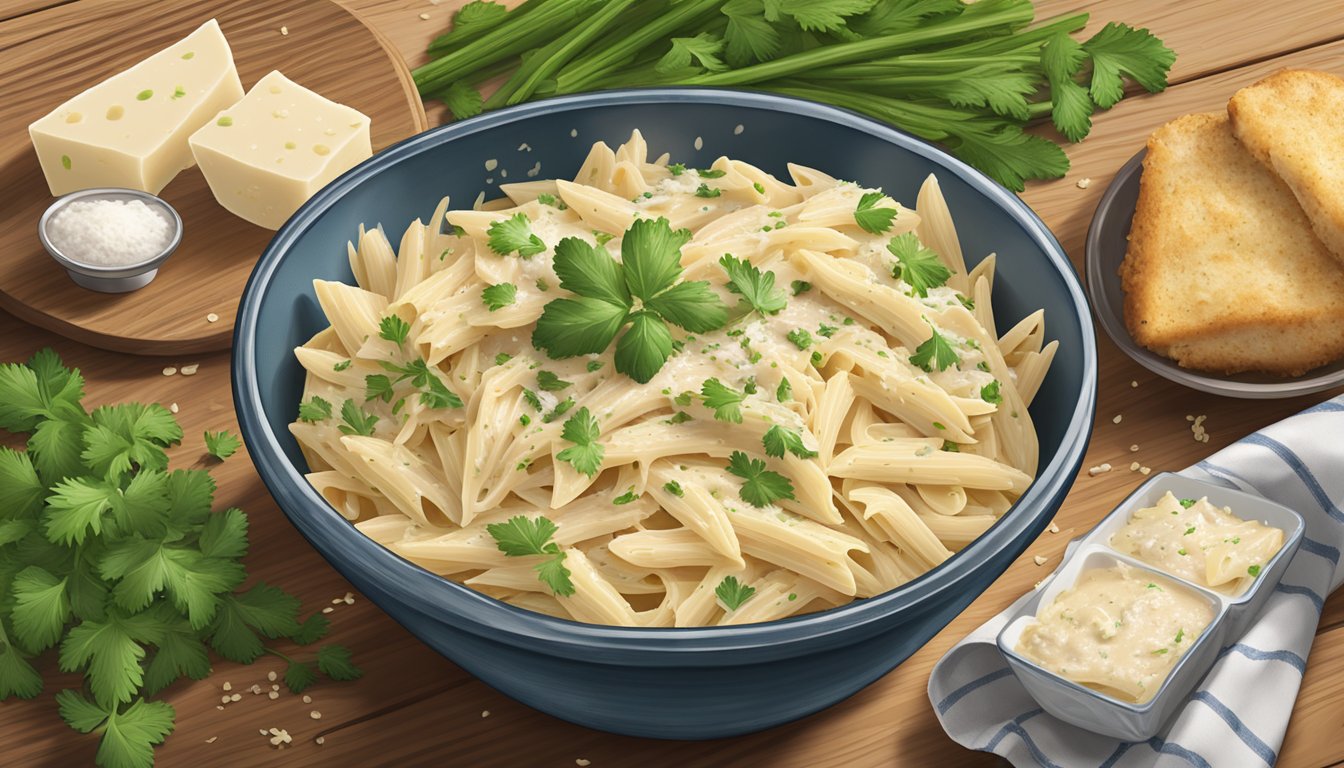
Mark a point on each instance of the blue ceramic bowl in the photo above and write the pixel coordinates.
(667, 683)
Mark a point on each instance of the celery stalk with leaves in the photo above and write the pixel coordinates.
(121, 568)
(971, 76)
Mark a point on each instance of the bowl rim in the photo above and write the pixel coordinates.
(431, 595)
(1111, 318)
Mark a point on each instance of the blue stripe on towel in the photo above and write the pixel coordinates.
(1167, 748)
(1303, 472)
(1224, 475)
(1255, 654)
(1292, 589)
(1247, 736)
(1328, 406)
(1117, 754)
(1323, 550)
(955, 696)
(1015, 727)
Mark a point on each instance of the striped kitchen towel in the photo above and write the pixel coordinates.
(1238, 714)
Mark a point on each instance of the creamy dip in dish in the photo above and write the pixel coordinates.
(1118, 631)
(1199, 542)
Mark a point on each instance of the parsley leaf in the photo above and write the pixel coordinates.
(990, 393)
(704, 190)
(800, 287)
(1118, 50)
(314, 409)
(733, 594)
(704, 48)
(585, 455)
(40, 610)
(756, 288)
(872, 218)
(394, 329)
(521, 536)
(916, 265)
(800, 338)
(784, 392)
(674, 488)
(644, 347)
(726, 402)
(651, 255)
(128, 736)
(762, 487)
(355, 420)
(514, 234)
(335, 663)
(462, 100)
(779, 440)
(500, 295)
(588, 270)
(625, 498)
(549, 382)
(693, 305)
(1062, 57)
(299, 676)
(937, 353)
(222, 444)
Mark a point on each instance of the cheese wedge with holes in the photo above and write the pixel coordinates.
(131, 130)
(267, 154)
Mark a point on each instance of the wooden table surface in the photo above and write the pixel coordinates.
(413, 707)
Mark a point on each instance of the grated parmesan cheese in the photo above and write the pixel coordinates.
(109, 233)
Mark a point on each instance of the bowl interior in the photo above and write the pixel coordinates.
(551, 139)
(1107, 241)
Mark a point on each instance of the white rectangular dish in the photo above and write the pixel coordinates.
(1105, 714)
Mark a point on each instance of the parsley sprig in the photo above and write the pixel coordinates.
(635, 298)
(585, 455)
(918, 266)
(756, 288)
(514, 235)
(119, 565)
(935, 353)
(732, 593)
(761, 487)
(522, 536)
(870, 216)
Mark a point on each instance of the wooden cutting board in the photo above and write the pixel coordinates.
(59, 52)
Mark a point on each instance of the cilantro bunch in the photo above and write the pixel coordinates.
(635, 298)
(120, 566)
(969, 75)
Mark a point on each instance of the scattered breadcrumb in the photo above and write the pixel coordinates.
(1054, 527)
(236, 697)
(255, 689)
(227, 686)
(581, 762)
(534, 170)
(424, 16)
(1134, 448)
(1084, 183)
(1188, 417)
(224, 699)
(485, 713)
(264, 732)
(212, 318)
(219, 706)
(315, 715)
(1133, 384)
(1134, 466)
(328, 609)
(524, 147)
(272, 695)
(699, 143)
(275, 687)
(1039, 559)
(1097, 470)
(738, 129)
(349, 598)
(320, 740)
(172, 408)
(1117, 418)
(169, 371)
(190, 370)
(337, 600)
(1038, 584)
(279, 736)
(271, 676)
(284, 30)
(1197, 428)
(211, 740)
(1145, 470)
(307, 699)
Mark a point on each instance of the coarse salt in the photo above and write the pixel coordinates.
(284, 30)
(320, 740)
(110, 233)
(172, 408)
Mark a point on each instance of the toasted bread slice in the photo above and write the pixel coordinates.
(1293, 122)
(1223, 272)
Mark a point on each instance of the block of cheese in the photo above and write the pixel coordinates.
(267, 154)
(131, 130)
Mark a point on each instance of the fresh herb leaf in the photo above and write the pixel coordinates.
(1062, 58)
(918, 266)
(644, 347)
(1118, 51)
(761, 487)
(704, 190)
(724, 400)
(935, 353)
(784, 392)
(499, 296)
(588, 270)
(779, 440)
(514, 235)
(1253, 570)
(704, 49)
(1188, 503)
(674, 488)
(222, 444)
(394, 329)
(990, 393)
(756, 288)
(336, 663)
(314, 409)
(732, 594)
(626, 498)
(800, 338)
(341, 366)
(128, 736)
(462, 100)
(355, 421)
(585, 455)
(521, 536)
(872, 218)
(800, 287)
(547, 381)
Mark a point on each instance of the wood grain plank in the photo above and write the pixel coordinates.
(207, 273)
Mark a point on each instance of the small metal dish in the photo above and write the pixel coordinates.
(1107, 241)
(111, 279)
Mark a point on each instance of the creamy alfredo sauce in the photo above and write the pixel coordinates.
(1199, 542)
(1117, 631)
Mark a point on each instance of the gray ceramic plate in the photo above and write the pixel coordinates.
(1107, 240)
